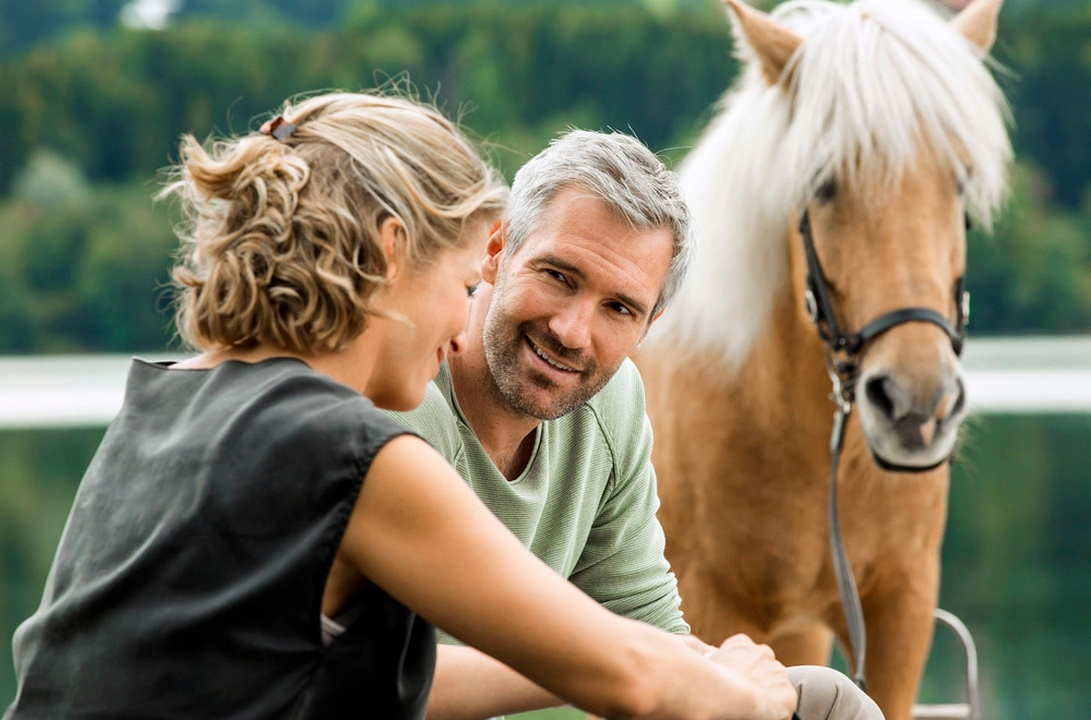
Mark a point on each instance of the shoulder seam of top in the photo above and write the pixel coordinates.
(610, 445)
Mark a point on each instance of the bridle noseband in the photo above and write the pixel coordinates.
(843, 353)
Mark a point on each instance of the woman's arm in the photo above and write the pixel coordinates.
(421, 534)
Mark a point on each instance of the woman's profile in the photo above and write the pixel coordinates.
(253, 538)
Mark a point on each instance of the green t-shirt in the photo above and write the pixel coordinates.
(586, 501)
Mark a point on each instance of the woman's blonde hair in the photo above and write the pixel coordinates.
(280, 240)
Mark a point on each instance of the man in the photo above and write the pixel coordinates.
(542, 412)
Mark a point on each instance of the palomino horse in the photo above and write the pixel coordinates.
(880, 122)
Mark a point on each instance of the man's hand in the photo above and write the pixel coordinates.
(695, 643)
(775, 697)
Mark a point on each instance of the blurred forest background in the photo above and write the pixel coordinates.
(97, 93)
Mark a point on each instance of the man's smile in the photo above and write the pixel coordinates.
(548, 360)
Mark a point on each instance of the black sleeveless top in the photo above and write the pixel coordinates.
(189, 579)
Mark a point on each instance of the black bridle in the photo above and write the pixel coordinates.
(843, 353)
(844, 349)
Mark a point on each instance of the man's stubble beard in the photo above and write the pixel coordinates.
(504, 341)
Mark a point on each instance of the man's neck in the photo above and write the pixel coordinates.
(507, 436)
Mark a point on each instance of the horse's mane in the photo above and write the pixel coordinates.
(872, 85)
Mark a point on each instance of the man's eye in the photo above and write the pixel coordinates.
(558, 276)
(471, 289)
(621, 309)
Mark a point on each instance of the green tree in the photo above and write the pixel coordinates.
(1034, 273)
(1046, 48)
(86, 274)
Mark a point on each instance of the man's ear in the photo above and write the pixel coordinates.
(392, 240)
(494, 251)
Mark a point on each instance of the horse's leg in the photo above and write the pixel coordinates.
(899, 626)
(804, 646)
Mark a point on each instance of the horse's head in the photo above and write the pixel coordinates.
(892, 136)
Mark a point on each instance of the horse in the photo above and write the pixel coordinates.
(877, 131)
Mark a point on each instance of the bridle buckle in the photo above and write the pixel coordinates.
(810, 303)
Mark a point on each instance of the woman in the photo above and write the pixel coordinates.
(253, 539)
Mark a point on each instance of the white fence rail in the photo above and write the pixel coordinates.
(1003, 375)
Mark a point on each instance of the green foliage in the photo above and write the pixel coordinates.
(1050, 56)
(22, 23)
(1035, 270)
(116, 103)
(84, 249)
(85, 274)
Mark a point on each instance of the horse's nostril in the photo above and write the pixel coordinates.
(882, 393)
(959, 404)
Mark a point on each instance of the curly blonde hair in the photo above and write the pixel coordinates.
(280, 239)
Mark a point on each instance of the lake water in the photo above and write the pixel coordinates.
(1017, 557)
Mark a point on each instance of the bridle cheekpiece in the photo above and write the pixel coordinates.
(843, 352)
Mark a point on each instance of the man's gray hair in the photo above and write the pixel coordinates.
(622, 172)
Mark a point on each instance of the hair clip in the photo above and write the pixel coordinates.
(278, 127)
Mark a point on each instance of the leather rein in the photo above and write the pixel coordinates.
(843, 351)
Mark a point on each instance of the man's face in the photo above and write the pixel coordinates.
(572, 302)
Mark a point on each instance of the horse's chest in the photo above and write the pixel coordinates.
(782, 561)
(780, 554)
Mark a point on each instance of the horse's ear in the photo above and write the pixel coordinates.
(771, 44)
(978, 21)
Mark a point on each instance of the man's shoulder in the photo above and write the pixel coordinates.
(619, 407)
(621, 400)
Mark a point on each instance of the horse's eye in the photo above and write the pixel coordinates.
(963, 178)
(826, 191)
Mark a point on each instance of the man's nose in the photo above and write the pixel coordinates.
(572, 324)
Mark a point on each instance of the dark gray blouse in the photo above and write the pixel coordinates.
(189, 579)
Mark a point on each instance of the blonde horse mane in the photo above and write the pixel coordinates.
(873, 84)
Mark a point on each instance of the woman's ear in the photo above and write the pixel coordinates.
(392, 239)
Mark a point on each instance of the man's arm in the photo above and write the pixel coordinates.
(622, 565)
(470, 685)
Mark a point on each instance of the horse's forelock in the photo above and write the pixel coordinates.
(877, 80)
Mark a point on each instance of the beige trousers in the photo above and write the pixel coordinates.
(825, 694)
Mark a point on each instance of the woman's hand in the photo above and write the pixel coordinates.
(774, 695)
